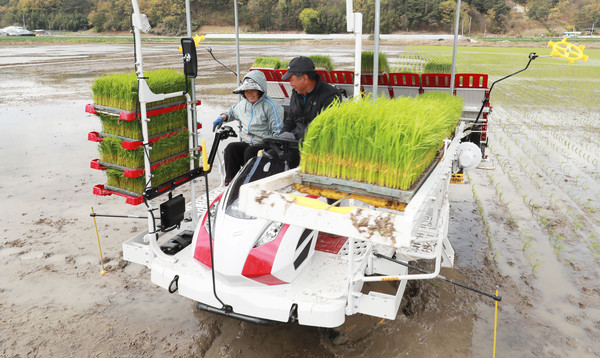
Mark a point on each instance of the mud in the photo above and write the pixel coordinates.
(54, 302)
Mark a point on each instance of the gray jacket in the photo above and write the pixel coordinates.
(261, 119)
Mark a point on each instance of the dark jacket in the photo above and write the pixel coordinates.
(303, 109)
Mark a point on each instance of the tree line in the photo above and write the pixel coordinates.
(167, 17)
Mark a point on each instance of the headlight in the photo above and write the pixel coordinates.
(269, 234)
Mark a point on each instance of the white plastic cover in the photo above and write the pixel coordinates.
(469, 155)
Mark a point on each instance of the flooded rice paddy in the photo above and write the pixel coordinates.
(528, 224)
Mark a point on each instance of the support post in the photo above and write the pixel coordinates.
(456, 23)
(357, 52)
(376, 52)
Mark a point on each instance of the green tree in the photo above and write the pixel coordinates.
(588, 16)
(310, 21)
(498, 17)
(259, 14)
(539, 11)
(332, 18)
(447, 11)
(166, 18)
(110, 15)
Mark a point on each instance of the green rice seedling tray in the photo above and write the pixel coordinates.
(160, 123)
(365, 189)
(174, 104)
(128, 107)
(129, 143)
(267, 62)
(120, 90)
(119, 151)
(389, 143)
(135, 197)
(134, 173)
(134, 182)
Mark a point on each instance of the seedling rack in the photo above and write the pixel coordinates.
(121, 143)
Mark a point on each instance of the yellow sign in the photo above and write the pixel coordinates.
(568, 51)
(197, 40)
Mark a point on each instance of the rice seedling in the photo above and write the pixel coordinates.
(284, 64)
(267, 62)
(367, 62)
(438, 67)
(558, 240)
(120, 90)
(534, 267)
(132, 129)
(323, 61)
(388, 142)
(160, 175)
(111, 150)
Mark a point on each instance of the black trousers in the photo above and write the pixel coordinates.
(236, 155)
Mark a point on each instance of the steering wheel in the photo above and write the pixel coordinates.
(225, 132)
(282, 147)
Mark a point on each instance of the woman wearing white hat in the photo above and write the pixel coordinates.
(260, 116)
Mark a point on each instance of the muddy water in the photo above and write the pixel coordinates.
(50, 291)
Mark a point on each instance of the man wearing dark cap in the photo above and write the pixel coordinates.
(310, 96)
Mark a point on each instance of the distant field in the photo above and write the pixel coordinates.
(549, 81)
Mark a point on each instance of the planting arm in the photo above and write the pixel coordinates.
(486, 100)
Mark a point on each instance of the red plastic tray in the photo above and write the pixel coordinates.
(137, 172)
(132, 115)
(130, 199)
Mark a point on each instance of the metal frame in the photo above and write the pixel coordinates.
(145, 96)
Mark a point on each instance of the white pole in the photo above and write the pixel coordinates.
(237, 45)
(237, 57)
(351, 308)
(139, 65)
(354, 24)
(357, 52)
(376, 52)
(192, 127)
(456, 23)
(349, 16)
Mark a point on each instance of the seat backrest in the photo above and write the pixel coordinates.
(470, 80)
(342, 77)
(325, 76)
(435, 80)
(404, 79)
(270, 73)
